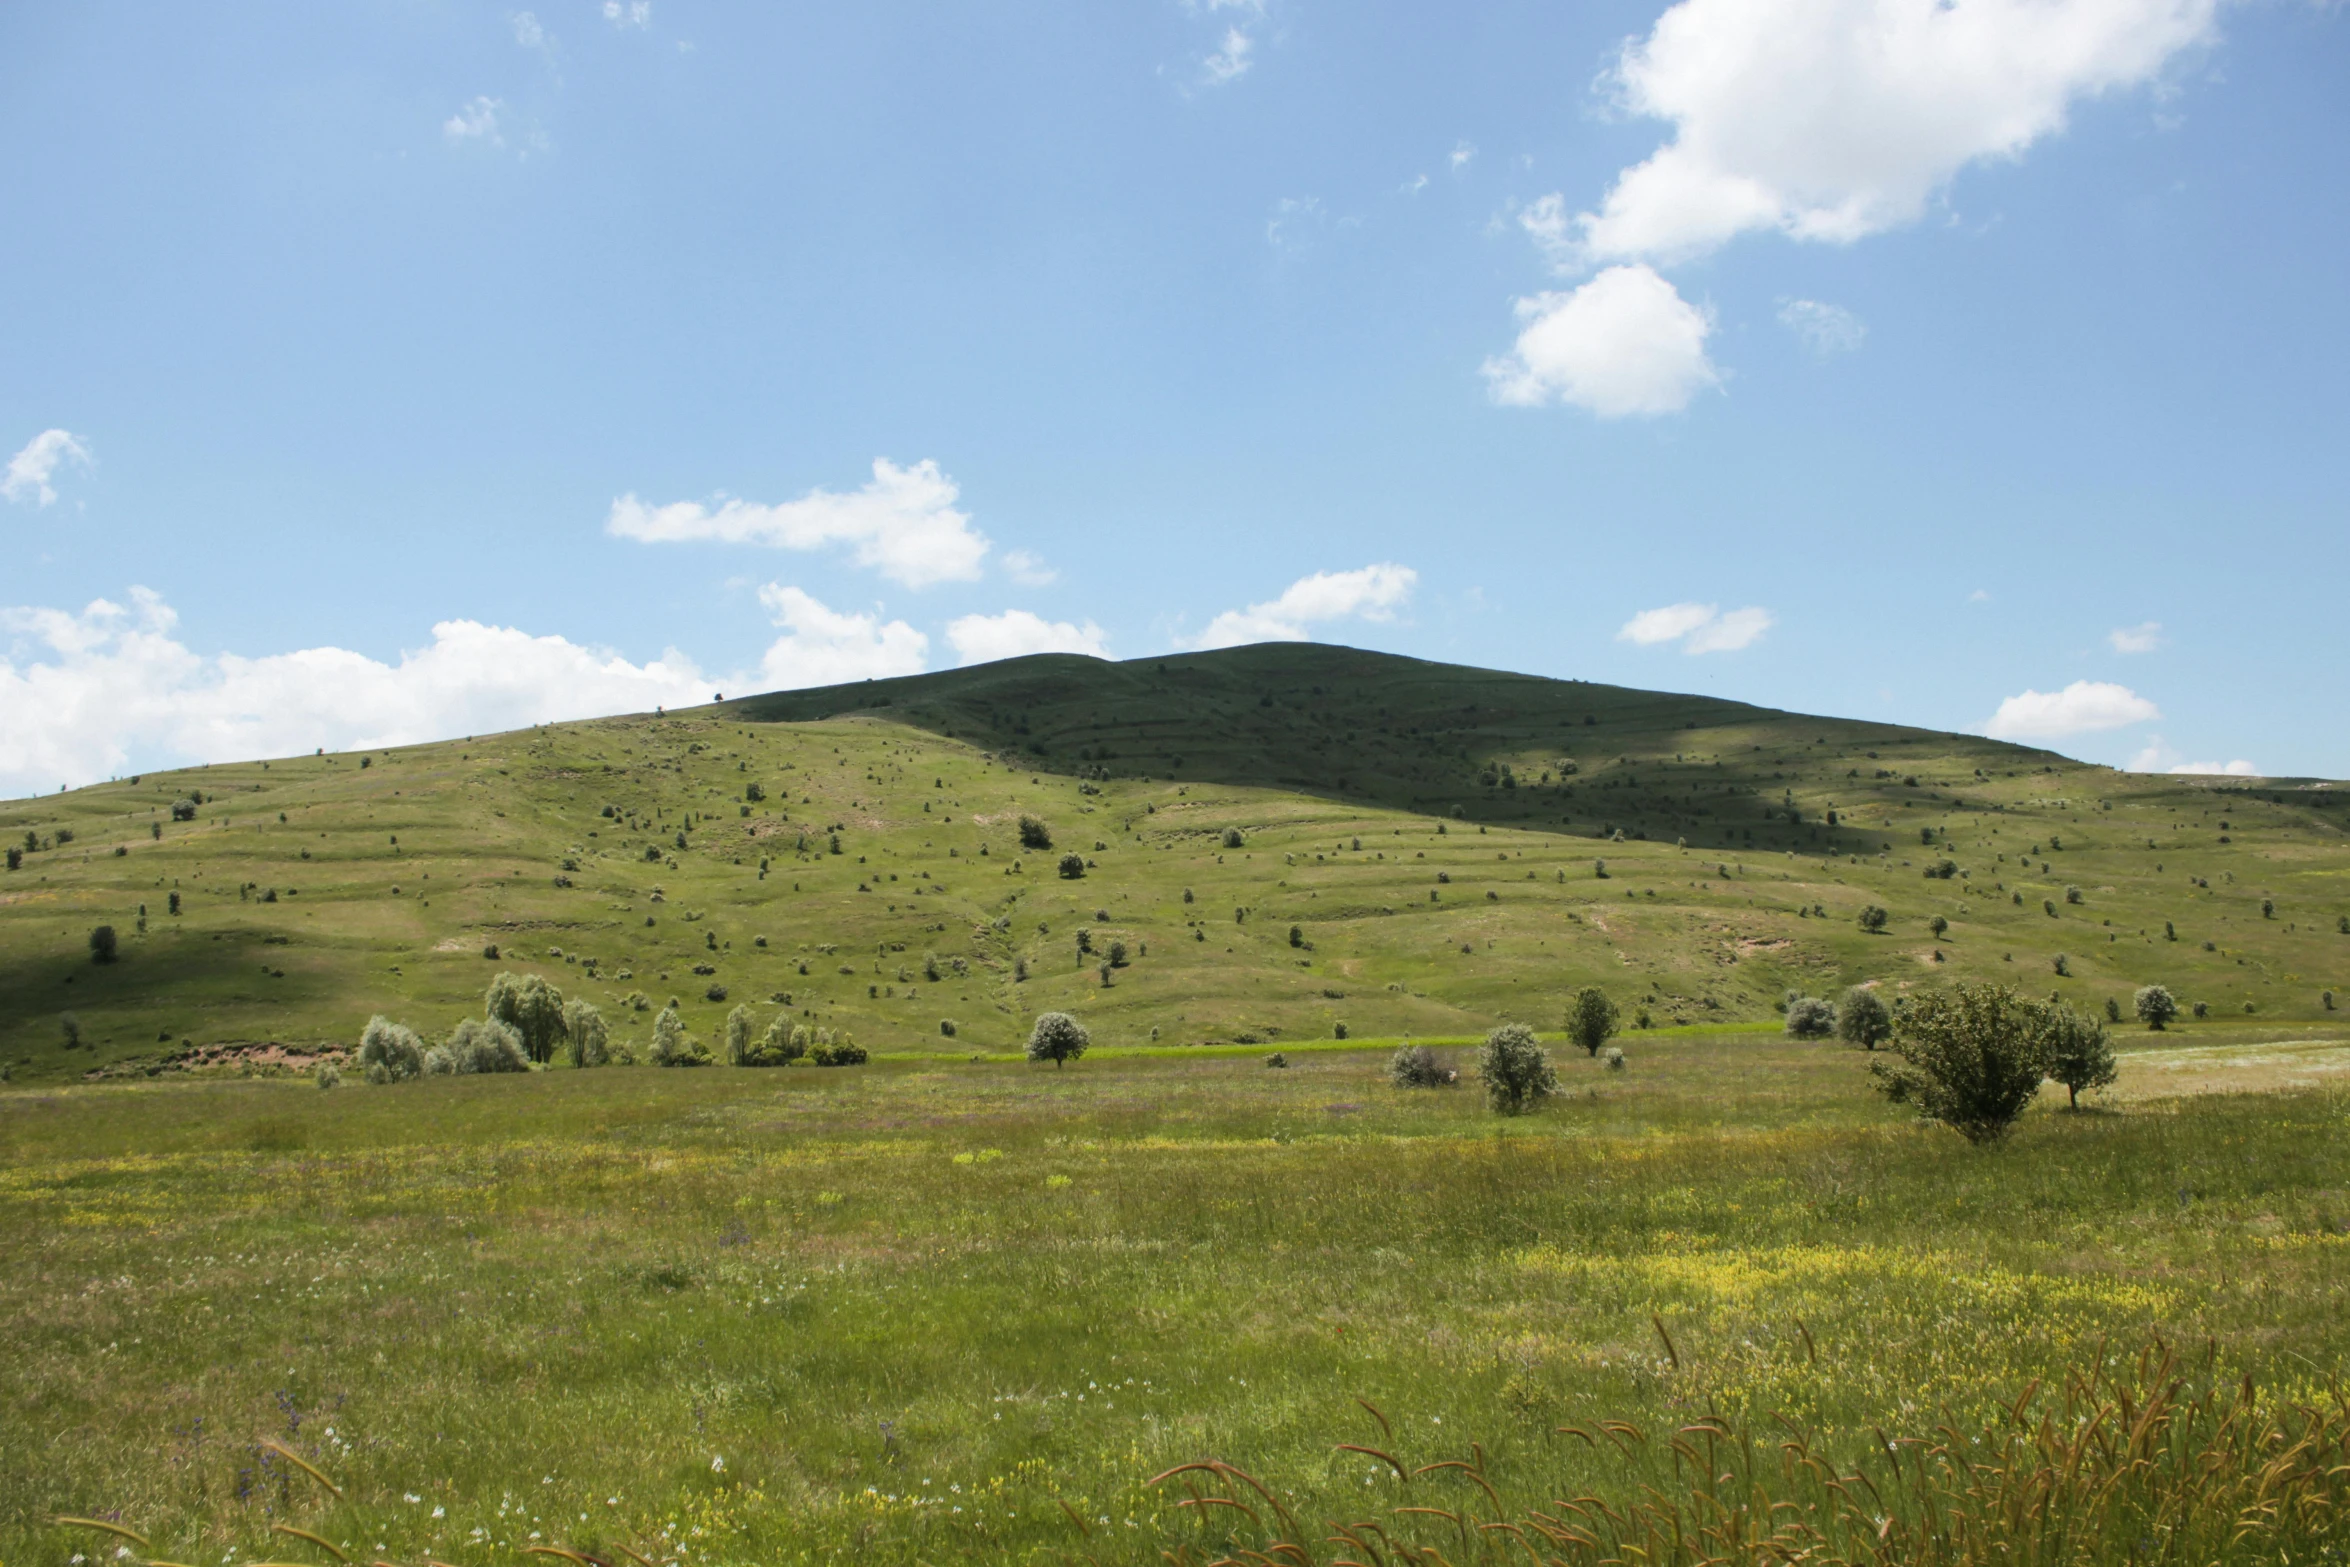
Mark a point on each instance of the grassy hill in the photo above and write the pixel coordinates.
(1421, 850)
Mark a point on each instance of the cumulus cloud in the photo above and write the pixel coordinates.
(88, 690)
(477, 121)
(2158, 757)
(2084, 707)
(1372, 593)
(903, 524)
(2136, 639)
(529, 31)
(824, 647)
(30, 470)
(1462, 153)
(1699, 628)
(1231, 62)
(1029, 567)
(635, 13)
(982, 639)
(1836, 119)
(1624, 343)
(1824, 329)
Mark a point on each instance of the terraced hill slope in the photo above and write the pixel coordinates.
(1421, 849)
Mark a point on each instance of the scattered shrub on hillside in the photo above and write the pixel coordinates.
(672, 1045)
(1808, 1017)
(1338, 1030)
(327, 1075)
(1416, 1066)
(1297, 935)
(1599, 870)
(2072, 894)
(2079, 1052)
(2202, 1009)
(754, 792)
(1233, 838)
(2062, 965)
(1187, 899)
(585, 1033)
(1515, 1068)
(71, 1027)
(1873, 919)
(531, 1007)
(155, 829)
(946, 1027)
(2170, 932)
(836, 1050)
(1034, 834)
(1863, 1019)
(1971, 1057)
(183, 810)
(388, 1051)
(15, 858)
(1615, 1059)
(2268, 908)
(1058, 1038)
(714, 993)
(1592, 1019)
(103, 944)
(1117, 954)
(2342, 925)
(477, 1044)
(2327, 998)
(1072, 866)
(2113, 1010)
(1277, 1060)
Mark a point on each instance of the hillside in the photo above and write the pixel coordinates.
(1436, 837)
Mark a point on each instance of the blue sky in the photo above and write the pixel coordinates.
(389, 370)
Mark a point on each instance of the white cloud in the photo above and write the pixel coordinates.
(982, 639)
(88, 691)
(1835, 119)
(1295, 222)
(529, 32)
(1824, 329)
(31, 469)
(903, 524)
(1372, 593)
(2083, 707)
(1028, 567)
(2136, 639)
(477, 121)
(1699, 628)
(824, 647)
(2158, 757)
(1231, 62)
(1624, 343)
(1413, 186)
(1462, 152)
(636, 13)
(2235, 769)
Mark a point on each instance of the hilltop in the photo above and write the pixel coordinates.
(1422, 849)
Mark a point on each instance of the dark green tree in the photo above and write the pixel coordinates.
(1971, 1057)
(1058, 1038)
(1515, 1069)
(1592, 1019)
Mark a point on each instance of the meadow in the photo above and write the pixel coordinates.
(930, 1310)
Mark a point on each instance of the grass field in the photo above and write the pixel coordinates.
(908, 1312)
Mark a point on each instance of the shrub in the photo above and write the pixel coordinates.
(2079, 1052)
(1592, 1019)
(1808, 1017)
(15, 858)
(1233, 838)
(1863, 1019)
(584, 1032)
(183, 810)
(672, 1045)
(1277, 1060)
(477, 1044)
(2072, 894)
(1615, 1059)
(102, 944)
(1034, 834)
(2346, 927)
(2328, 999)
(714, 993)
(754, 793)
(2202, 1009)
(1599, 869)
(327, 1075)
(1971, 1057)
(1873, 919)
(1416, 1066)
(531, 1007)
(946, 1027)
(1058, 1038)
(2268, 908)
(840, 1051)
(388, 1052)
(2343, 925)
(173, 903)
(2048, 907)
(1297, 935)
(1072, 866)
(783, 1043)
(1117, 954)
(1515, 1068)
(2062, 965)
(1338, 1030)
(738, 1036)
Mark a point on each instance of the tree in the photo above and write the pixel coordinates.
(783, 1043)
(2155, 1006)
(1072, 866)
(531, 1007)
(388, 1052)
(1971, 1057)
(1873, 919)
(1592, 1019)
(584, 1032)
(15, 858)
(2079, 1052)
(1034, 834)
(672, 1045)
(1515, 1068)
(1416, 1066)
(1808, 1017)
(71, 1027)
(1939, 926)
(1863, 1019)
(738, 1036)
(477, 1044)
(102, 944)
(1297, 935)
(1058, 1038)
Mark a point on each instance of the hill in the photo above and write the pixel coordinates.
(1421, 848)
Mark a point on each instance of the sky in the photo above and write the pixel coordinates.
(401, 369)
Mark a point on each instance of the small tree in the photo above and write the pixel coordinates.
(1592, 1019)
(585, 1033)
(1874, 919)
(672, 1045)
(476, 1044)
(15, 858)
(1971, 1057)
(1515, 1068)
(1072, 866)
(2079, 1052)
(1058, 1038)
(102, 944)
(183, 810)
(1034, 834)
(388, 1053)
(1416, 1066)
(2155, 1006)
(1939, 926)
(738, 1036)
(1808, 1017)
(531, 1007)
(1297, 935)
(1863, 1019)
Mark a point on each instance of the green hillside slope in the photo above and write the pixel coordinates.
(1421, 851)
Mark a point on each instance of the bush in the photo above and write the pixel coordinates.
(2079, 1052)
(1515, 1068)
(1615, 1059)
(1277, 1060)
(531, 1007)
(672, 1045)
(1971, 1057)
(838, 1050)
(584, 1032)
(1873, 919)
(183, 810)
(102, 944)
(783, 1043)
(1233, 838)
(71, 1027)
(1863, 1019)
(754, 793)
(15, 858)
(1072, 866)
(477, 1044)
(946, 1027)
(1808, 1017)
(2113, 1010)
(2155, 1006)
(2072, 894)
(2062, 965)
(388, 1052)
(1297, 935)
(1058, 1038)
(1034, 834)
(1338, 1030)
(327, 1075)
(1592, 1019)
(738, 1036)
(1416, 1066)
